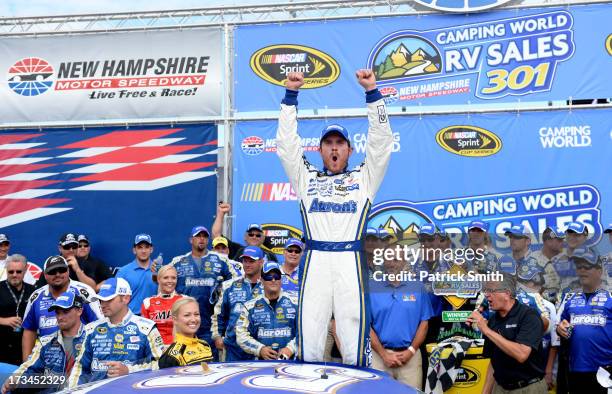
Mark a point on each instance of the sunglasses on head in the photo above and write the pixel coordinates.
(256, 235)
(68, 247)
(271, 276)
(14, 272)
(56, 271)
(293, 251)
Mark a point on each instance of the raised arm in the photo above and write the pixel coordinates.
(380, 138)
(288, 143)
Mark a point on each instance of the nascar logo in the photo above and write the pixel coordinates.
(278, 191)
(30, 76)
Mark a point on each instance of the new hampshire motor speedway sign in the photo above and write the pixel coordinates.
(111, 76)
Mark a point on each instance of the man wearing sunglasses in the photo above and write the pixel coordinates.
(14, 295)
(335, 202)
(237, 291)
(294, 249)
(67, 247)
(5, 247)
(586, 322)
(38, 320)
(513, 341)
(266, 327)
(93, 266)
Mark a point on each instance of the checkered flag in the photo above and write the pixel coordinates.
(442, 372)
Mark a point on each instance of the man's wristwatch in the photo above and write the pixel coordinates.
(412, 350)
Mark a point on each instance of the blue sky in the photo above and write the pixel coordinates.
(20, 8)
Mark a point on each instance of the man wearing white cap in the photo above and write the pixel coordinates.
(119, 344)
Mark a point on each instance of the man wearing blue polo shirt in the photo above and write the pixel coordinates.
(400, 311)
(138, 273)
(588, 312)
(294, 249)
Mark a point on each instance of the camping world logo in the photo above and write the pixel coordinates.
(30, 76)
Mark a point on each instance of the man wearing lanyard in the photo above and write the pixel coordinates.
(14, 294)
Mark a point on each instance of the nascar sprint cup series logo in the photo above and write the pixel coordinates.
(469, 141)
(274, 62)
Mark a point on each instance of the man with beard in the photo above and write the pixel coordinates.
(138, 273)
(14, 295)
(38, 320)
(67, 248)
(335, 202)
(54, 355)
(199, 274)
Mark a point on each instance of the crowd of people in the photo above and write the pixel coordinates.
(547, 320)
(547, 323)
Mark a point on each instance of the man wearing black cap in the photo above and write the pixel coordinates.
(93, 266)
(253, 236)
(55, 354)
(68, 245)
(38, 320)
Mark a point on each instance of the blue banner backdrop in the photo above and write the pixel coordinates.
(531, 54)
(537, 168)
(108, 183)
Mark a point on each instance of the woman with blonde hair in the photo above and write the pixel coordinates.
(158, 308)
(187, 348)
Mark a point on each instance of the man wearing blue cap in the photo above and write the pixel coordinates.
(138, 273)
(294, 249)
(55, 354)
(335, 203)
(479, 240)
(121, 343)
(235, 292)
(266, 327)
(586, 322)
(576, 235)
(199, 274)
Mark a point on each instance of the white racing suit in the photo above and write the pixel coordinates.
(334, 212)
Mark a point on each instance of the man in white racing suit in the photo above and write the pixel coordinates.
(334, 204)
